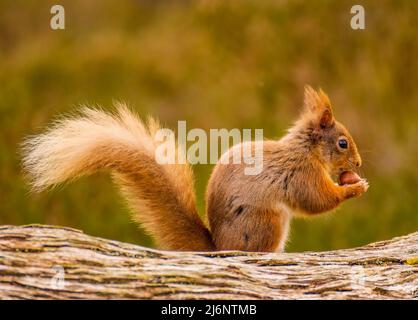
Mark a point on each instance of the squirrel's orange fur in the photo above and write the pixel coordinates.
(245, 212)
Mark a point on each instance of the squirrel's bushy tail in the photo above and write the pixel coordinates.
(161, 196)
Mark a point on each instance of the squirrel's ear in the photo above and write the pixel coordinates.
(327, 117)
(318, 104)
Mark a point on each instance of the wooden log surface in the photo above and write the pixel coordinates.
(47, 262)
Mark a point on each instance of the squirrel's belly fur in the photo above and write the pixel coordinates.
(245, 212)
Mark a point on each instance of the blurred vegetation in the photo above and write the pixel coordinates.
(215, 64)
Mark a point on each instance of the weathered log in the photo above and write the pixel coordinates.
(47, 262)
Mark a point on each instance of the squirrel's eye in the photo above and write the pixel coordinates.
(343, 143)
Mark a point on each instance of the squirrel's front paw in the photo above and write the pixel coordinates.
(356, 189)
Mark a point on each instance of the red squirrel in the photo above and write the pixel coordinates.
(244, 212)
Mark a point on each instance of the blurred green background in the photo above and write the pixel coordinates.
(216, 64)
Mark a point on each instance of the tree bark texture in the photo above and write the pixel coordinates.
(47, 262)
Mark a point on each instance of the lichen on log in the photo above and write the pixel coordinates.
(47, 262)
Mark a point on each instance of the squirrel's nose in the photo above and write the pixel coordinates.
(356, 161)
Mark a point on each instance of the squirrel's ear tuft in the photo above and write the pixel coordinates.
(324, 98)
(310, 98)
(318, 104)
